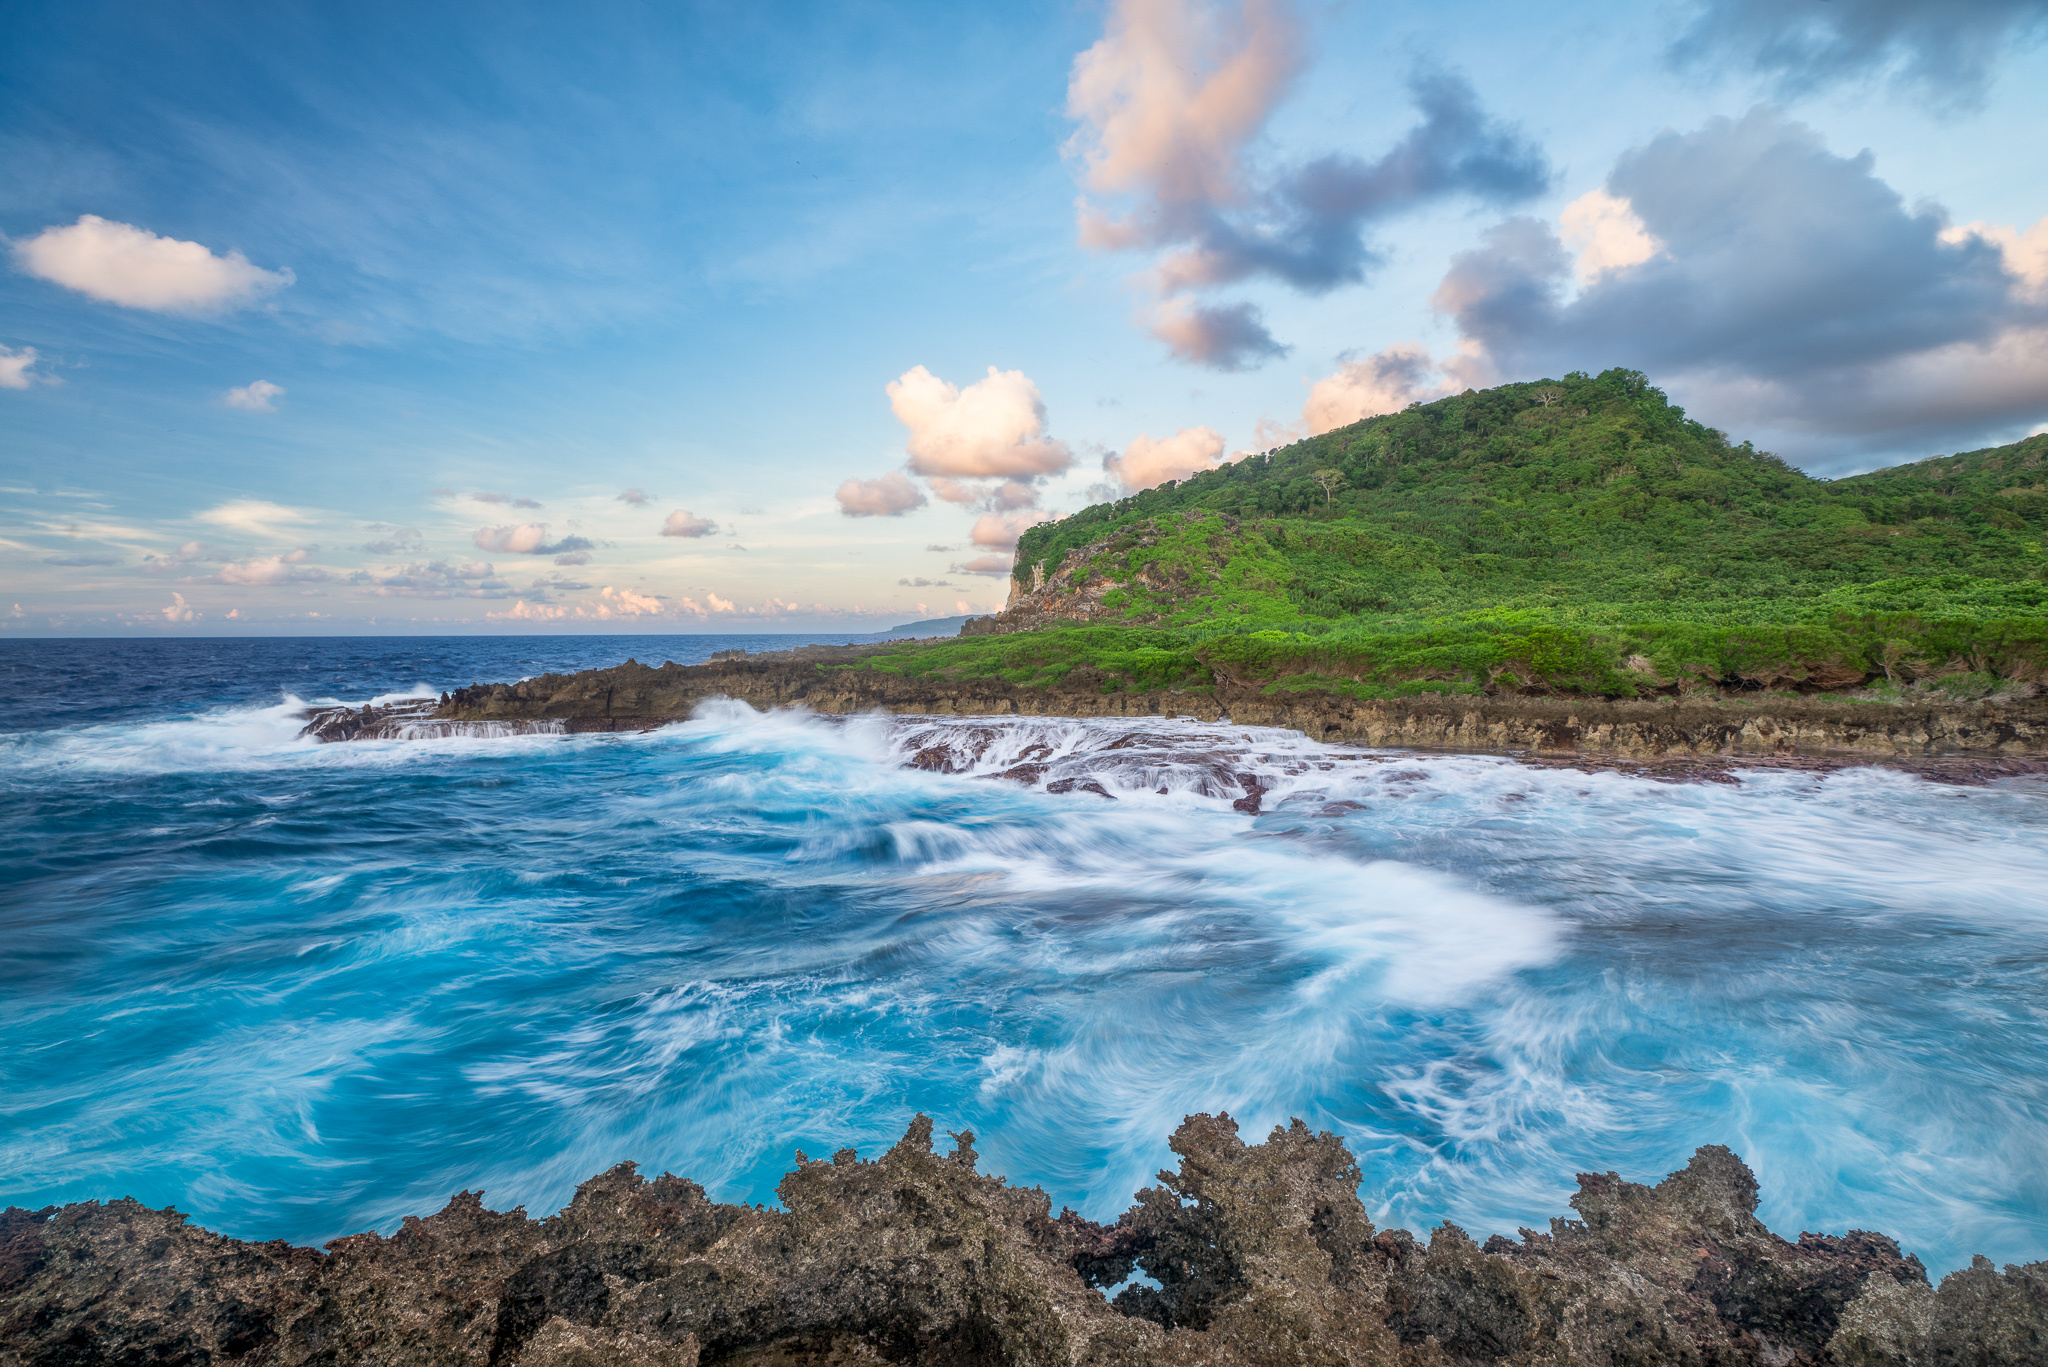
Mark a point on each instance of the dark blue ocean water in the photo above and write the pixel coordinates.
(303, 990)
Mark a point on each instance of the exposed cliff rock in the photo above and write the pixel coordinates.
(1261, 1254)
(834, 679)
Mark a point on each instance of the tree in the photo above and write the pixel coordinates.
(1548, 397)
(1332, 481)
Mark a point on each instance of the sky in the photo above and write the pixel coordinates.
(648, 317)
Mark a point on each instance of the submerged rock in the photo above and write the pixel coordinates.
(1259, 1254)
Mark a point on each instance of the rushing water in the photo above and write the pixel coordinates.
(301, 990)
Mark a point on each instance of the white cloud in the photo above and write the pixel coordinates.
(633, 498)
(718, 604)
(133, 267)
(2026, 254)
(523, 611)
(254, 517)
(985, 564)
(178, 610)
(888, 496)
(682, 522)
(627, 603)
(255, 397)
(1605, 235)
(525, 539)
(992, 429)
(1384, 382)
(291, 567)
(16, 369)
(1002, 529)
(1146, 462)
(1167, 100)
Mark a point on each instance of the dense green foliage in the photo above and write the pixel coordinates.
(1580, 535)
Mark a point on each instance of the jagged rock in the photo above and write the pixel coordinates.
(1261, 1254)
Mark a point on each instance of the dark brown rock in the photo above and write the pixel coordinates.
(1261, 1254)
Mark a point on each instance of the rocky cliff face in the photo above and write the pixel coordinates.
(1257, 1254)
(831, 679)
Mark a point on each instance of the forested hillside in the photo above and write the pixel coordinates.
(1573, 535)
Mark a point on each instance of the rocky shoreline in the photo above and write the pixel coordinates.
(1684, 737)
(1256, 1254)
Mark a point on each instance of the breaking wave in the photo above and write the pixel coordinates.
(304, 989)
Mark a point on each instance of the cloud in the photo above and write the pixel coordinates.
(16, 369)
(1222, 336)
(1794, 288)
(1945, 48)
(890, 495)
(1003, 529)
(1384, 382)
(2025, 254)
(717, 604)
(682, 522)
(527, 538)
(633, 498)
(991, 565)
(923, 583)
(438, 579)
(523, 611)
(1605, 234)
(255, 517)
(400, 540)
(1170, 103)
(573, 558)
(290, 567)
(178, 610)
(1146, 462)
(992, 429)
(627, 603)
(507, 499)
(81, 559)
(133, 267)
(255, 397)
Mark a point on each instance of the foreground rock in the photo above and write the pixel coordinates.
(1262, 1255)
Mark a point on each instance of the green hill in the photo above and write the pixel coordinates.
(1566, 536)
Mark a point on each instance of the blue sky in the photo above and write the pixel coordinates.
(435, 317)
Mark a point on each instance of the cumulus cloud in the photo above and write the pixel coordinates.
(633, 498)
(627, 603)
(2025, 254)
(717, 604)
(527, 538)
(1003, 529)
(1146, 462)
(178, 610)
(1220, 336)
(889, 495)
(1944, 48)
(255, 517)
(483, 496)
(993, 428)
(255, 397)
(523, 611)
(1793, 288)
(1605, 235)
(17, 369)
(1170, 103)
(682, 522)
(985, 564)
(133, 267)
(1384, 382)
(289, 567)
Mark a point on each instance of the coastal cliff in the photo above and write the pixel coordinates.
(841, 680)
(1256, 1254)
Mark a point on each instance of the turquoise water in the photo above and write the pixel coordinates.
(303, 990)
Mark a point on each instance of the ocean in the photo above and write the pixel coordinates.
(303, 990)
